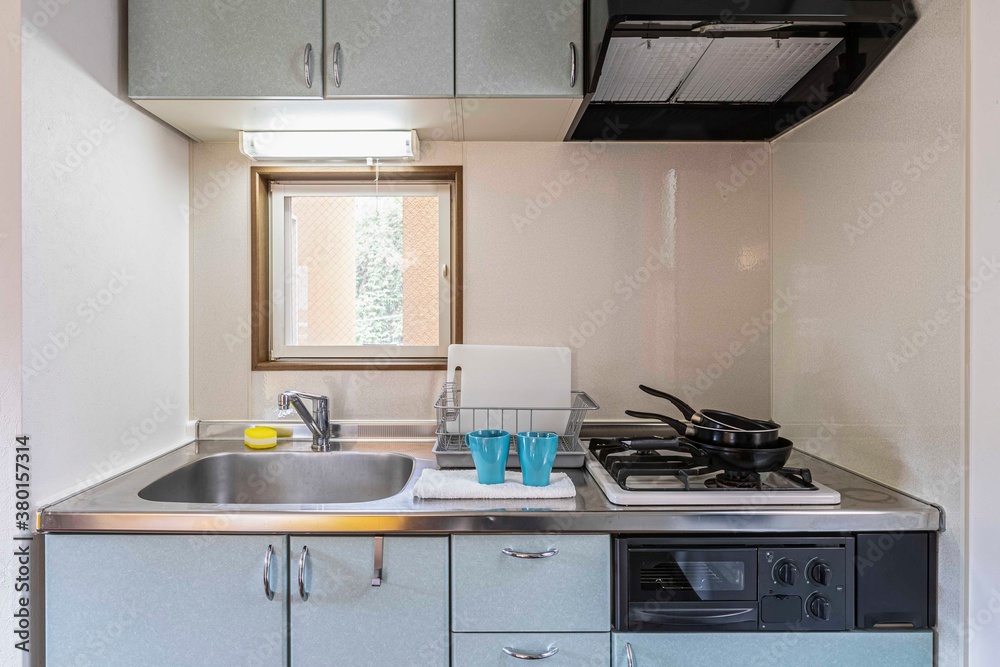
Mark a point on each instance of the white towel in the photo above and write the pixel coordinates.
(455, 484)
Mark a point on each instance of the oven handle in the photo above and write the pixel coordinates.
(700, 616)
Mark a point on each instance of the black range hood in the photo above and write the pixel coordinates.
(727, 70)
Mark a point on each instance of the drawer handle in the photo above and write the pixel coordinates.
(523, 554)
(521, 655)
(303, 593)
(628, 654)
(268, 591)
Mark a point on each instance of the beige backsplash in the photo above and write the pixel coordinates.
(869, 228)
(652, 261)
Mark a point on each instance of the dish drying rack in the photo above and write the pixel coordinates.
(455, 420)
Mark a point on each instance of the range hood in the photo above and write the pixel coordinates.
(727, 70)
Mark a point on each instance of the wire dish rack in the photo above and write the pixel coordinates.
(454, 421)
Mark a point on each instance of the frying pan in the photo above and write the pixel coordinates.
(713, 418)
(720, 457)
(713, 435)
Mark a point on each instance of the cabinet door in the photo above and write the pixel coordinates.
(224, 49)
(165, 600)
(519, 48)
(789, 649)
(390, 48)
(346, 621)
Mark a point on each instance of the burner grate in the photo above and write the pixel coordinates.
(667, 469)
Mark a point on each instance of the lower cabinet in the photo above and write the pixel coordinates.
(210, 600)
(165, 600)
(572, 649)
(338, 617)
(789, 649)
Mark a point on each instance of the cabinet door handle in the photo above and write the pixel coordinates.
(377, 567)
(572, 64)
(336, 64)
(524, 554)
(307, 57)
(303, 593)
(268, 591)
(628, 655)
(521, 655)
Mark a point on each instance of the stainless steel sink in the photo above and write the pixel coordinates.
(280, 478)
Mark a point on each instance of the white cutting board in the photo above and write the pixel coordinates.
(499, 376)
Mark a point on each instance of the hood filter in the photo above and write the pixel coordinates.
(647, 70)
(702, 69)
(753, 70)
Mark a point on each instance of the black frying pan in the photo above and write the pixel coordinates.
(720, 457)
(713, 418)
(712, 435)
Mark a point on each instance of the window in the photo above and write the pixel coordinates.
(357, 273)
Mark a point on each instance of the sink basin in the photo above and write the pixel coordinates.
(284, 478)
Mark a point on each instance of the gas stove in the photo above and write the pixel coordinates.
(666, 477)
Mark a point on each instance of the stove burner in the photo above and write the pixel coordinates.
(736, 480)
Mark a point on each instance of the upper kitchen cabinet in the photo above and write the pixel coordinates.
(390, 48)
(519, 48)
(225, 49)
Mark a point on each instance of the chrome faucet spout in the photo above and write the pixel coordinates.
(317, 421)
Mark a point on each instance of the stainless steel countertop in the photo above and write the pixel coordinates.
(115, 507)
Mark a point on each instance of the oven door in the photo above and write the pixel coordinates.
(687, 590)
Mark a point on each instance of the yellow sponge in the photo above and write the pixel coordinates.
(260, 437)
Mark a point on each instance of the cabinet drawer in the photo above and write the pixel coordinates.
(562, 583)
(571, 649)
(803, 649)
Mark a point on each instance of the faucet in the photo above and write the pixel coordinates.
(318, 424)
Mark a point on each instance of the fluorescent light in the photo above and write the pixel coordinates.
(398, 144)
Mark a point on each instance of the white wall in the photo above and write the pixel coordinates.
(984, 332)
(591, 217)
(869, 368)
(10, 309)
(105, 256)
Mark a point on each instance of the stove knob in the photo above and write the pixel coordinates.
(786, 572)
(819, 607)
(821, 573)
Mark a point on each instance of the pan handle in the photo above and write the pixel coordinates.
(676, 424)
(685, 409)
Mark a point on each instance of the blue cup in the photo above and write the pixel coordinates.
(489, 449)
(537, 452)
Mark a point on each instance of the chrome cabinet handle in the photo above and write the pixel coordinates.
(521, 655)
(522, 554)
(377, 569)
(628, 655)
(303, 593)
(336, 64)
(307, 65)
(572, 64)
(268, 591)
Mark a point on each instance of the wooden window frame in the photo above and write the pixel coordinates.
(261, 178)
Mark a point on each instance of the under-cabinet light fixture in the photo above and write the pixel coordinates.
(331, 145)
